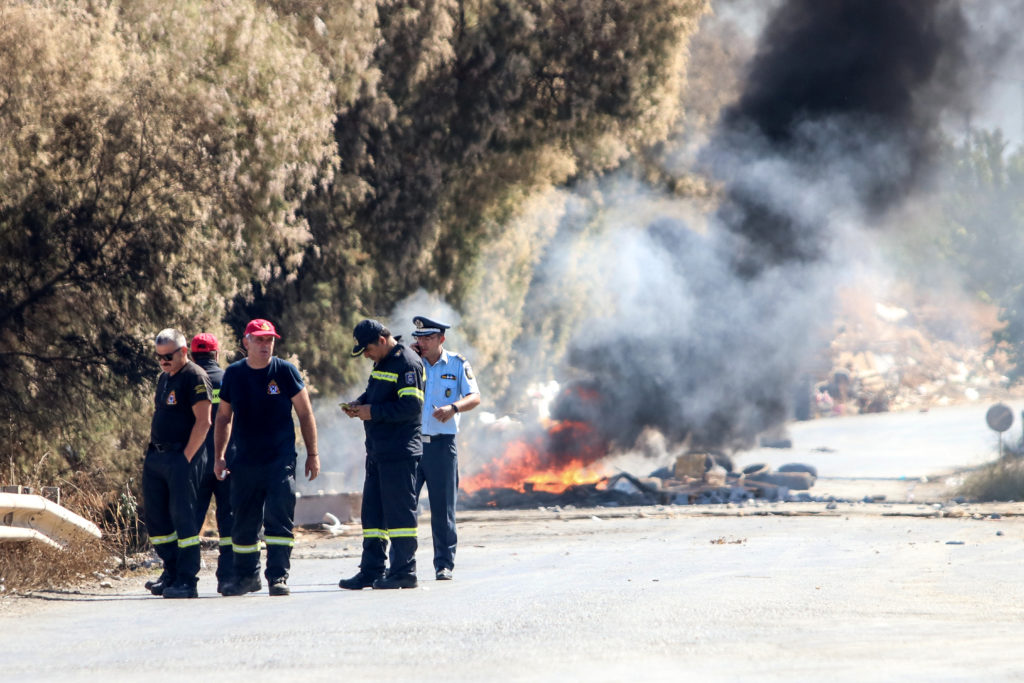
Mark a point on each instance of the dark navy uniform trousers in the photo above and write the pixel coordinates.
(263, 496)
(220, 490)
(169, 490)
(389, 512)
(439, 469)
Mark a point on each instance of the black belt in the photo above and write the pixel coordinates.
(428, 438)
(166, 447)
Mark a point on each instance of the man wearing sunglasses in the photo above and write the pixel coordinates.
(257, 396)
(174, 461)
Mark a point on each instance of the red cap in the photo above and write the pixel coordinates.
(203, 343)
(261, 328)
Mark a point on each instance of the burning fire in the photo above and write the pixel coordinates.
(568, 453)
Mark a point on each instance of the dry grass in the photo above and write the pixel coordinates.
(1002, 481)
(31, 566)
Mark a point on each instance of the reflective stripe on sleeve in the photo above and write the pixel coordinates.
(384, 376)
(280, 540)
(246, 549)
(188, 542)
(225, 541)
(169, 538)
(375, 533)
(403, 533)
(216, 397)
(411, 391)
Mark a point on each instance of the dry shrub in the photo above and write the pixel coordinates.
(33, 566)
(1001, 481)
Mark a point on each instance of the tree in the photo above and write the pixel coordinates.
(154, 161)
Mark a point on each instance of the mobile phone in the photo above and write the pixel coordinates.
(345, 406)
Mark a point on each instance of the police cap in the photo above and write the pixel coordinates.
(426, 327)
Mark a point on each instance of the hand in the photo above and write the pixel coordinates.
(363, 412)
(350, 409)
(444, 413)
(312, 466)
(220, 468)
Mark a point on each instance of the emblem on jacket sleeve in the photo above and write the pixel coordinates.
(410, 378)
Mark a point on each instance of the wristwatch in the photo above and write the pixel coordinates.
(455, 407)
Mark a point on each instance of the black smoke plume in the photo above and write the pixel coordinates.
(838, 121)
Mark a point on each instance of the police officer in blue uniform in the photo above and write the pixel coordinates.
(174, 460)
(257, 397)
(391, 410)
(205, 353)
(451, 390)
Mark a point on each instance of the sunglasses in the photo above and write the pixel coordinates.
(168, 356)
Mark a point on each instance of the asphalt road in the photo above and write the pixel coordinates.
(893, 445)
(862, 592)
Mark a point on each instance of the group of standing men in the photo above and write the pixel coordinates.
(410, 411)
(187, 463)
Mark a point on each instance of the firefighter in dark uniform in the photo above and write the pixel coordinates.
(451, 390)
(174, 460)
(205, 353)
(391, 410)
(256, 400)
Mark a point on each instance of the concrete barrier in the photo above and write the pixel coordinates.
(17, 534)
(21, 513)
(310, 508)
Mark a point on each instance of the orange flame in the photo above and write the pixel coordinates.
(566, 455)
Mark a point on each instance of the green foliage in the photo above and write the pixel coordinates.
(465, 109)
(195, 164)
(153, 165)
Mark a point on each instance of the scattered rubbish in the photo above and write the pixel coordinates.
(954, 542)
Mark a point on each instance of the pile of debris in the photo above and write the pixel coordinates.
(698, 478)
(887, 357)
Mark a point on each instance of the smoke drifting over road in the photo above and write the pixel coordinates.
(705, 336)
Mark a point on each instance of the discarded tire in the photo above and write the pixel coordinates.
(723, 460)
(756, 470)
(799, 467)
(795, 481)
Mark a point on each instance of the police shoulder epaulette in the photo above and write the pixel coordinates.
(460, 357)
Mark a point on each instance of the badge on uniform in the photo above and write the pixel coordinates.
(451, 377)
(469, 370)
(172, 399)
(410, 378)
(447, 393)
(273, 389)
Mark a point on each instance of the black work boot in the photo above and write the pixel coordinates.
(279, 587)
(402, 581)
(243, 585)
(359, 581)
(157, 587)
(181, 590)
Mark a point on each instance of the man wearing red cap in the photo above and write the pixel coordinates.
(256, 401)
(205, 353)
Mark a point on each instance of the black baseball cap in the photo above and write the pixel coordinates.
(366, 332)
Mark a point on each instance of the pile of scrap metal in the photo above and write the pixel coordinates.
(25, 518)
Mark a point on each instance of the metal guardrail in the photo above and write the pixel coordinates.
(25, 518)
